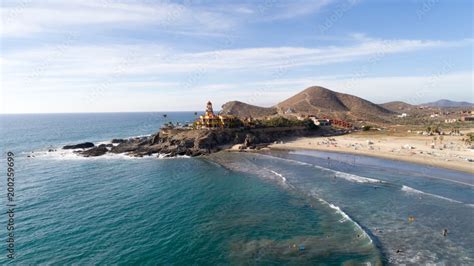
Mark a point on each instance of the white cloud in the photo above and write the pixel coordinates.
(131, 96)
(78, 73)
(27, 17)
(75, 61)
(277, 10)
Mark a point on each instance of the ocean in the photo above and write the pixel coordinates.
(274, 207)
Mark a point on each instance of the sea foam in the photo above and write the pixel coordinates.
(415, 191)
(343, 175)
(345, 216)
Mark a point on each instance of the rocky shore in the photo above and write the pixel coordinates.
(174, 142)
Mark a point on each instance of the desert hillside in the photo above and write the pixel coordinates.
(398, 106)
(324, 102)
(246, 110)
(447, 103)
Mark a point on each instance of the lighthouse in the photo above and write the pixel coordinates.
(209, 111)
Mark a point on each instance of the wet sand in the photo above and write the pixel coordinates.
(451, 152)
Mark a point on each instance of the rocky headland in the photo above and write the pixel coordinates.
(175, 142)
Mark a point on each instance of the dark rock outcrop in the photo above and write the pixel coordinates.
(84, 145)
(171, 143)
(96, 151)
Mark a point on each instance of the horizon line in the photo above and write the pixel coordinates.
(111, 112)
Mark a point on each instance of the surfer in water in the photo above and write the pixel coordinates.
(445, 232)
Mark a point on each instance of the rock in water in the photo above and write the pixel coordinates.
(249, 141)
(84, 145)
(96, 151)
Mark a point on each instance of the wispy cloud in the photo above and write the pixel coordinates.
(86, 51)
(144, 96)
(30, 17)
(25, 18)
(98, 61)
(277, 10)
(103, 72)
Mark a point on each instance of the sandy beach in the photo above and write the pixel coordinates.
(451, 152)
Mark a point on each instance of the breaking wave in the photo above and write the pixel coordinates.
(280, 175)
(415, 191)
(343, 175)
(60, 154)
(345, 216)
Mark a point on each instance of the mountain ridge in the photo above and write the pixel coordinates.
(448, 103)
(318, 101)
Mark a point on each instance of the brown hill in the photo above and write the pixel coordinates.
(317, 101)
(398, 106)
(323, 102)
(246, 110)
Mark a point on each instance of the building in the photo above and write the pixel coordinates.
(402, 115)
(210, 120)
(467, 118)
(321, 122)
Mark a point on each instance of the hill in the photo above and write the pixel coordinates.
(324, 102)
(448, 103)
(246, 110)
(398, 106)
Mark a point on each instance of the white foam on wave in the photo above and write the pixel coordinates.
(356, 178)
(279, 175)
(345, 217)
(282, 179)
(412, 190)
(139, 136)
(70, 155)
(343, 175)
(165, 156)
(61, 154)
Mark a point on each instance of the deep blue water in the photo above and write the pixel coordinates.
(274, 208)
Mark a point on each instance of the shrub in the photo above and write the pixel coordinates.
(366, 128)
(470, 136)
(308, 123)
(280, 121)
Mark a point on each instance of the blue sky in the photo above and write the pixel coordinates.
(120, 56)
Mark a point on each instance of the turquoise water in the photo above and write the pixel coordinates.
(277, 208)
(380, 196)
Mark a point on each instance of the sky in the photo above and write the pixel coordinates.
(132, 56)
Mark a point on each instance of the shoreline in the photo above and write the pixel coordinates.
(412, 156)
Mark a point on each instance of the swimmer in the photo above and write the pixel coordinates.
(445, 232)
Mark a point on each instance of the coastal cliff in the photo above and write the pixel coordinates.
(174, 142)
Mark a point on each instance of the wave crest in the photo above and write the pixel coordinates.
(412, 190)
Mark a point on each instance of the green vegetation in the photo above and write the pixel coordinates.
(366, 128)
(470, 136)
(280, 121)
(433, 129)
(235, 123)
(308, 123)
